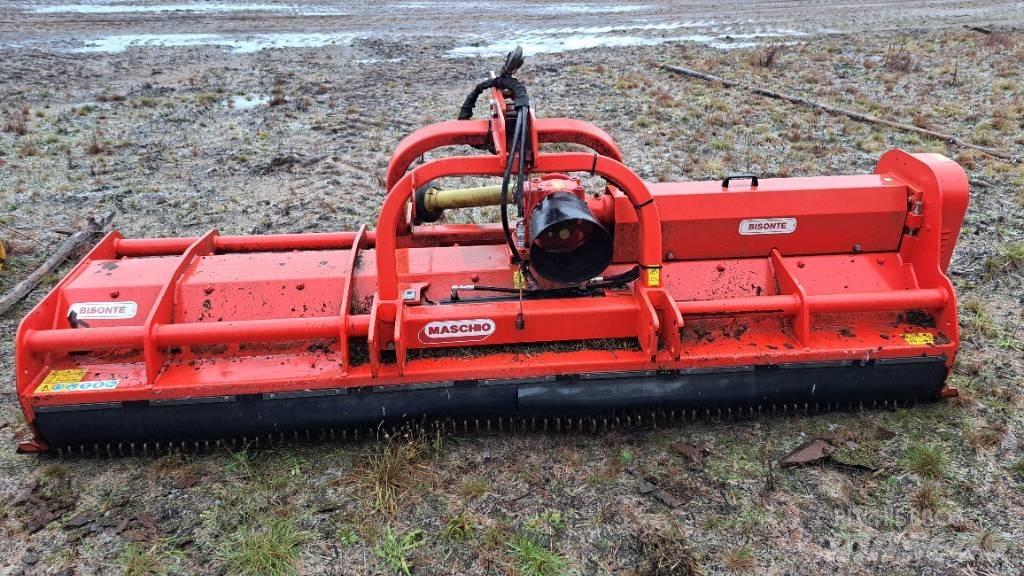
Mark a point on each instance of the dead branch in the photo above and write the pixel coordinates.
(840, 111)
(68, 247)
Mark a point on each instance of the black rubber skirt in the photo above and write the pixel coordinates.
(740, 390)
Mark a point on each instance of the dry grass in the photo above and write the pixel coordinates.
(928, 498)
(387, 472)
(740, 560)
(768, 55)
(667, 553)
(899, 59)
(16, 120)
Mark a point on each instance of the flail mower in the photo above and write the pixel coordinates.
(586, 306)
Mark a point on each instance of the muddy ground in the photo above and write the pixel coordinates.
(148, 133)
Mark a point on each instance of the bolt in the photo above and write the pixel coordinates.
(800, 264)
(475, 278)
(670, 256)
(300, 286)
(720, 267)
(856, 248)
(115, 293)
(881, 259)
(208, 290)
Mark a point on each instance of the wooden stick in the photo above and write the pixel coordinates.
(840, 111)
(68, 247)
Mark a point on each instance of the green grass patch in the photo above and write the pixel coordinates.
(473, 487)
(531, 558)
(925, 461)
(263, 549)
(458, 528)
(1009, 258)
(138, 560)
(395, 548)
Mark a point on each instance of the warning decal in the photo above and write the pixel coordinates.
(919, 338)
(71, 381)
(654, 277)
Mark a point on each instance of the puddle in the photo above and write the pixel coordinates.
(241, 45)
(247, 101)
(193, 7)
(591, 9)
(554, 8)
(564, 40)
(158, 8)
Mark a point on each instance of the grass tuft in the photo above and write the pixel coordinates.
(741, 559)
(531, 558)
(264, 549)
(389, 471)
(395, 549)
(16, 121)
(925, 461)
(928, 498)
(899, 59)
(473, 488)
(458, 528)
(1010, 258)
(767, 56)
(138, 560)
(1018, 468)
(667, 553)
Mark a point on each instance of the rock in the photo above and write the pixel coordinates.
(693, 453)
(808, 453)
(30, 559)
(81, 519)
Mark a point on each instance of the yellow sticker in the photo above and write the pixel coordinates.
(56, 377)
(518, 280)
(654, 277)
(919, 338)
(71, 381)
(557, 184)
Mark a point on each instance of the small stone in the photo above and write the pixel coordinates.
(81, 519)
(30, 559)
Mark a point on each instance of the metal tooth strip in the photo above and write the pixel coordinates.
(596, 423)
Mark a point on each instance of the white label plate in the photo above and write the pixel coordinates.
(757, 226)
(104, 310)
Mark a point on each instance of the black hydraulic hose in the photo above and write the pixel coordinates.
(522, 117)
(506, 180)
(518, 89)
(521, 98)
(617, 281)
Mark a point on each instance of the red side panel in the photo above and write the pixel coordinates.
(821, 215)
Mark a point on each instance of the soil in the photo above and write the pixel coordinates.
(181, 139)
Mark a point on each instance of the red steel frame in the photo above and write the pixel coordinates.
(793, 302)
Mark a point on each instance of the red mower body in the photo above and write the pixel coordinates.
(774, 292)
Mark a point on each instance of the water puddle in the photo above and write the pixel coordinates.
(565, 39)
(553, 8)
(238, 44)
(192, 7)
(590, 8)
(157, 8)
(247, 101)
